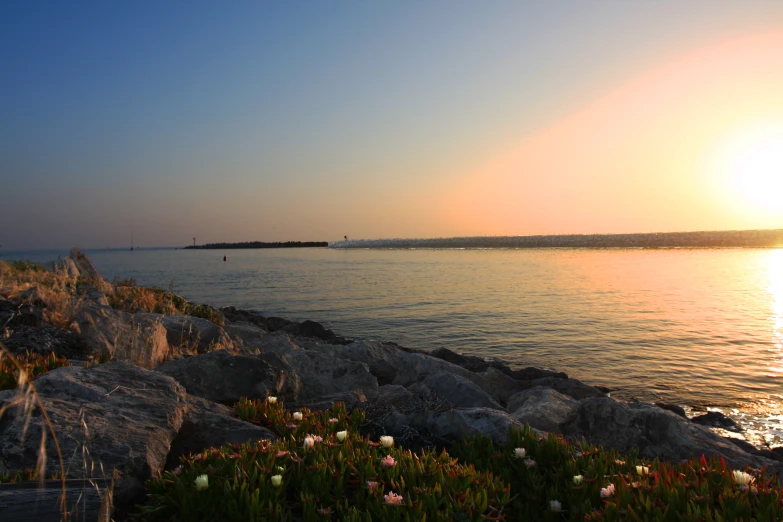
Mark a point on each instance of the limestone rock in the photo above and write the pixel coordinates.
(86, 269)
(131, 414)
(225, 378)
(392, 395)
(459, 391)
(321, 375)
(574, 388)
(207, 424)
(656, 432)
(462, 423)
(195, 334)
(541, 408)
(138, 338)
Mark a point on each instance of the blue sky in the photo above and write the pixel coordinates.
(299, 120)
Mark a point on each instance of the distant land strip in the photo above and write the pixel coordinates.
(712, 239)
(259, 244)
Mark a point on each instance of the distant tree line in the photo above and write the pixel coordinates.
(260, 244)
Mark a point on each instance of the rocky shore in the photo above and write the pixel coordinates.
(170, 380)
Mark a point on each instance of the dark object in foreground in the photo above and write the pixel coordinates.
(259, 244)
(40, 501)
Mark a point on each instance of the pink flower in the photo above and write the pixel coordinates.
(281, 454)
(372, 484)
(332, 420)
(388, 461)
(316, 438)
(291, 426)
(530, 463)
(392, 499)
(177, 470)
(608, 491)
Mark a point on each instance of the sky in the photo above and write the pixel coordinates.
(277, 121)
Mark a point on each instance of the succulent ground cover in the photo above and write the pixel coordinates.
(33, 365)
(323, 468)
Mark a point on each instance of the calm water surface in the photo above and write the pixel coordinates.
(700, 328)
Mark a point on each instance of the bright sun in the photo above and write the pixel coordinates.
(756, 167)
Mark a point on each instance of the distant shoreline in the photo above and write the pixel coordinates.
(259, 244)
(711, 239)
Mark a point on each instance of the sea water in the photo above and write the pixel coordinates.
(702, 328)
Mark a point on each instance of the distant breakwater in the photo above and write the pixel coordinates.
(259, 244)
(713, 239)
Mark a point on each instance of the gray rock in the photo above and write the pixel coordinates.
(278, 343)
(225, 378)
(574, 388)
(131, 415)
(194, 334)
(207, 424)
(85, 267)
(321, 375)
(655, 432)
(244, 335)
(459, 391)
(354, 399)
(542, 408)
(392, 394)
(716, 419)
(70, 267)
(137, 338)
(472, 363)
(679, 410)
(501, 386)
(531, 374)
(462, 423)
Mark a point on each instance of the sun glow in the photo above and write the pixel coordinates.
(756, 168)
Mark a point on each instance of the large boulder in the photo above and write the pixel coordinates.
(125, 417)
(654, 431)
(463, 423)
(206, 425)
(137, 338)
(459, 391)
(321, 375)
(542, 408)
(225, 378)
(501, 385)
(194, 334)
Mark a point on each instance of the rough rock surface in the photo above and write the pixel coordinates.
(461, 423)
(309, 329)
(131, 415)
(195, 334)
(84, 266)
(574, 388)
(138, 338)
(225, 378)
(656, 432)
(321, 375)
(716, 419)
(206, 425)
(542, 408)
(459, 391)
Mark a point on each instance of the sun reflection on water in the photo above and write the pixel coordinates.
(776, 293)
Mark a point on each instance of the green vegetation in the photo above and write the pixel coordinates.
(316, 472)
(33, 364)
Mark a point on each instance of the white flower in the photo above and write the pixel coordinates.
(608, 491)
(742, 478)
(309, 442)
(555, 506)
(341, 435)
(297, 415)
(642, 470)
(280, 468)
(271, 399)
(387, 441)
(277, 480)
(578, 479)
(520, 453)
(202, 482)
